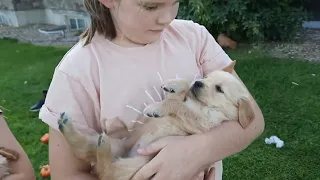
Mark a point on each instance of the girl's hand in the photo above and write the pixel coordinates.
(179, 158)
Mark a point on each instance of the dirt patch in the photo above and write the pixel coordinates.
(31, 34)
(305, 46)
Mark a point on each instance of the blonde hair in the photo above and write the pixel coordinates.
(101, 21)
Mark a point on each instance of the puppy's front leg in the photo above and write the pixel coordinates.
(188, 120)
(164, 108)
(176, 93)
(176, 88)
(83, 146)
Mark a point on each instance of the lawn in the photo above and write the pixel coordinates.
(291, 111)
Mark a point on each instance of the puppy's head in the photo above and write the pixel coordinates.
(224, 92)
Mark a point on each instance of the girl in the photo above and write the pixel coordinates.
(117, 68)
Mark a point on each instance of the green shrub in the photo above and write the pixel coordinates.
(253, 20)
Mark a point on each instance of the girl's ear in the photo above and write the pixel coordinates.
(107, 3)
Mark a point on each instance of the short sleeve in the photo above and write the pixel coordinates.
(211, 55)
(208, 53)
(66, 94)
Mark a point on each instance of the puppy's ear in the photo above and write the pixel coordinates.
(230, 67)
(246, 113)
(9, 154)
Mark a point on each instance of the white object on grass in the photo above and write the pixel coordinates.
(274, 140)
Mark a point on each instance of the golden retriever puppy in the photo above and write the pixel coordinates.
(218, 97)
(5, 155)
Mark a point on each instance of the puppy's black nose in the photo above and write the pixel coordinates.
(198, 84)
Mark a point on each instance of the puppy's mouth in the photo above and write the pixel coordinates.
(195, 95)
(194, 92)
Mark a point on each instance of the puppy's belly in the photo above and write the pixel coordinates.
(154, 131)
(138, 138)
(145, 138)
(133, 152)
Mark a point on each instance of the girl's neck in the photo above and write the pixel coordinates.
(125, 42)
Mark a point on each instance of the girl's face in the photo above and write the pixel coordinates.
(142, 21)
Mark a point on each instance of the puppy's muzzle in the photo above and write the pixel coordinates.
(198, 85)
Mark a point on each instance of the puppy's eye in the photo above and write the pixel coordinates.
(219, 89)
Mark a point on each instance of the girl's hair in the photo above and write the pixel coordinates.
(101, 21)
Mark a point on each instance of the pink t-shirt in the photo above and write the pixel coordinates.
(103, 81)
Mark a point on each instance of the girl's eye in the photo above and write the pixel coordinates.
(150, 8)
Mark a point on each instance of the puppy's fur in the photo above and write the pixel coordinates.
(219, 96)
(5, 155)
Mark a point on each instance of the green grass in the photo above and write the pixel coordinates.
(291, 111)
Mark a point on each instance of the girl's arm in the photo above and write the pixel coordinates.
(64, 165)
(22, 168)
(67, 94)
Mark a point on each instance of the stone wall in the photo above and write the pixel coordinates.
(6, 5)
(23, 5)
(56, 12)
(73, 5)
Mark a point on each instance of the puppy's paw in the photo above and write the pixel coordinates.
(64, 123)
(175, 85)
(153, 110)
(101, 140)
(103, 147)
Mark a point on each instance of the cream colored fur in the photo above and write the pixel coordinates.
(5, 155)
(4, 170)
(218, 97)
